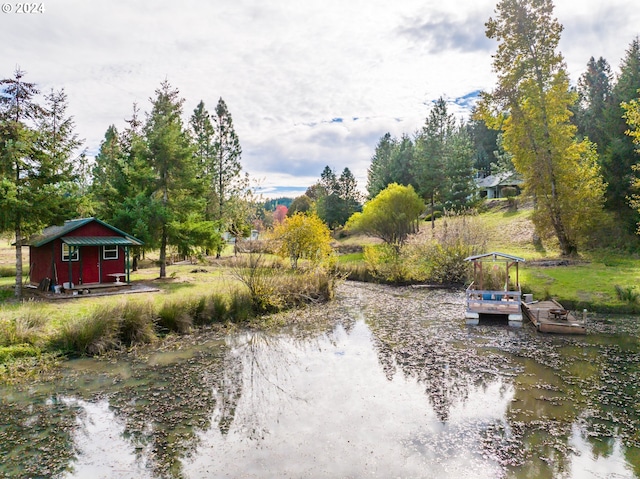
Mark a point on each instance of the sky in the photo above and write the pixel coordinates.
(309, 83)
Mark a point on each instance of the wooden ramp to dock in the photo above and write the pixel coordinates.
(550, 317)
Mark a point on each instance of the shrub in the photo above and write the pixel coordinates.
(137, 324)
(447, 263)
(217, 309)
(9, 353)
(627, 294)
(26, 328)
(385, 263)
(175, 316)
(262, 284)
(91, 335)
(240, 306)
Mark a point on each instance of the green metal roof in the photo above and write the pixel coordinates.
(99, 241)
(53, 232)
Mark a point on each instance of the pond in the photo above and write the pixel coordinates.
(382, 382)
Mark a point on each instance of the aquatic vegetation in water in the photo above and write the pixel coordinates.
(384, 380)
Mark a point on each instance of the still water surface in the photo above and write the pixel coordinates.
(383, 382)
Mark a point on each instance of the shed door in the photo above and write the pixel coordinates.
(90, 264)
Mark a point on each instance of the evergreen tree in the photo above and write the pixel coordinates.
(225, 168)
(594, 96)
(59, 142)
(459, 189)
(378, 174)
(124, 182)
(108, 175)
(392, 162)
(170, 155)
(36, 164)
(348, 194)
(485, 144)
(328, 201)
(402, 159)
(620, 154)
(203, 135)
(431, 151)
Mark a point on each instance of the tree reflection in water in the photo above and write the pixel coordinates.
(385, 381)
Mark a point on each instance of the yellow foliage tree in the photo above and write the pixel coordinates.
(531, 105)
(303, 236)
(632, 115)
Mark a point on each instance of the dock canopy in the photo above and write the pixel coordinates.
(495, 256)
(493, 291)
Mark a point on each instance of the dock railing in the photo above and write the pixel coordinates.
(492, 301)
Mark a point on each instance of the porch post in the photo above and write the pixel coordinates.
(70, 280)
(127, 266)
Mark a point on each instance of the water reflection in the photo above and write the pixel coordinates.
(386, 382)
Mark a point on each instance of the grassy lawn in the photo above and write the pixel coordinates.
(588, 282)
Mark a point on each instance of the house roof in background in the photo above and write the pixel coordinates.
(506, 178)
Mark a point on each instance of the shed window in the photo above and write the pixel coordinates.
(65, 252)
(110, 252)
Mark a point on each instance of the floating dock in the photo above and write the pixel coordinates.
(550, 317)
(494, 292)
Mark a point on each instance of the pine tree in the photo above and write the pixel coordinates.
(620, 154)
(349, 195)
(431, 153)
(36, 164)
(203, 135)
(459, 186)
(171, 157)
(226, 167)
(328, 201)
(594, 97)
(378, 174)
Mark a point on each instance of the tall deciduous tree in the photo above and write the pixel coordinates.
(36, 164)
(531, 104)
(171, 157)
(632, 117)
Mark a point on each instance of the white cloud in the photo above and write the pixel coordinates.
(285, 68)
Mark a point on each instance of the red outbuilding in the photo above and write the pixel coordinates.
(81, 252)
